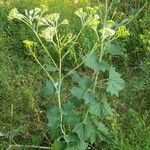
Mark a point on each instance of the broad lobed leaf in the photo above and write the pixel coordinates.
(114, 49)
(115, 83)
(101, 109)
(93, 63)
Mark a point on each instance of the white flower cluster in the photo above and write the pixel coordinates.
(82, 15)
(51, 21)
(107, 32)
(14, 14)
(89, 17)
(48, 33)
(33, 14)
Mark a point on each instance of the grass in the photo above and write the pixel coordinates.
(20, 98)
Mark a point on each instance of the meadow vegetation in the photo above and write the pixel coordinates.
(75, 74)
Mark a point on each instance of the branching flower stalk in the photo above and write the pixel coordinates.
(59, 87)
(57, 44)
(29, 24)
(106, 42)
(44, 47)
(86, 90)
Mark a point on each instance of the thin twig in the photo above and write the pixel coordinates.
(136, 14)
(28, 146)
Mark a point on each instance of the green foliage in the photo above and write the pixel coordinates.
(53, 118)
(75, 143)
(1, 134)
(89, 97)
(79, 113)
(77, 92)
(114, 49)
(82, 131)
(101, 109)
(93, 63)
(49, 89)
(58, 145)
(115, 83)
(48, 65)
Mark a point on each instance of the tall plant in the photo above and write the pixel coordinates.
(79, 121)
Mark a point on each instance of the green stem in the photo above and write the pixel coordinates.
(46, 50)
(59, 88)
(106, 13)
(136, 14)
(97, 36)
(44, 47)
(11, 132)
(59, 105)
(48, 75)
(110, 6)
(83, 60)
(27, 146)
(97, 73)
(102, 46)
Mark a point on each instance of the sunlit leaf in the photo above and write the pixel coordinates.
(85, 82)
(107, 32)
(14, 14)
(122, 32)
(70, 116)
(94, 22)
(101, 109)
(89, 97)
(1, 134)
(103, 133)
(114, 49)
(76, 1)
(53, 116)
(48, 33)
(77, 92)
(29, 43)
(58, 145)
(115, 83)
(82, 14)
(65, 21)
(93, 63)
(110, 23)
(81, 131)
